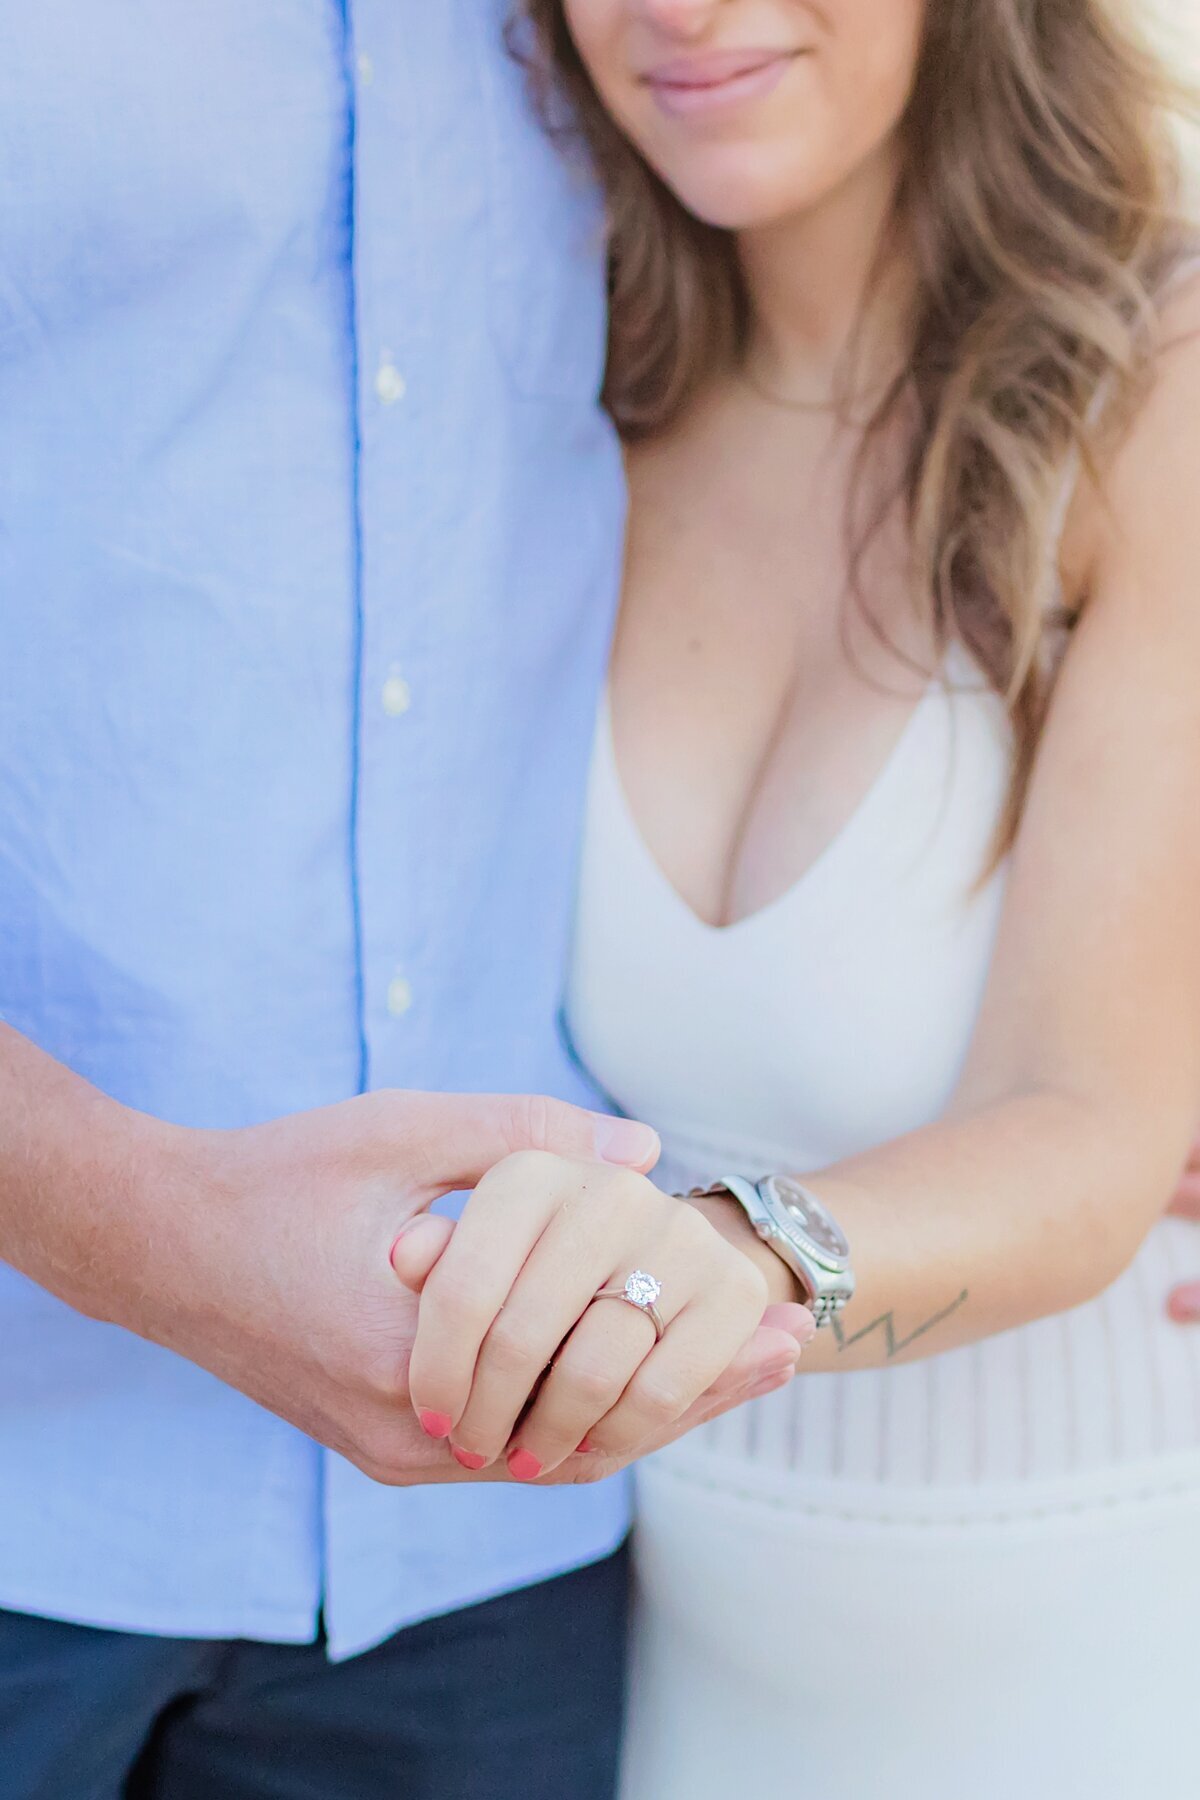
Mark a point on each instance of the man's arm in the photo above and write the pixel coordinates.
(262, 1254)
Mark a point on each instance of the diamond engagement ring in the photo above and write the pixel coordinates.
(640, 1290)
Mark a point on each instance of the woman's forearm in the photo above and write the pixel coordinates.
(978, 1224)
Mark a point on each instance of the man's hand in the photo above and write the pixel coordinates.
(277, 1273)
(263, 1254)
(1183, 1303)
(281, 1281)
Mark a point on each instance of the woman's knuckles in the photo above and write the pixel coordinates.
(523, 1171)
(690, 1228)
(512, 1344)
(457, 1293)
(581, 1387)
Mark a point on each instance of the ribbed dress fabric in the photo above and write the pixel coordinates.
(1009, 1530)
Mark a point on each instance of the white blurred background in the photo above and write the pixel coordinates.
(1176, 25)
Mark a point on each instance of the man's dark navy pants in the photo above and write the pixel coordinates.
(516, 1699)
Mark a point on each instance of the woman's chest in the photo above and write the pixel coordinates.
(755, 694)
(837, 1016)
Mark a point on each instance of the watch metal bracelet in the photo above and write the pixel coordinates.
(801, 1231)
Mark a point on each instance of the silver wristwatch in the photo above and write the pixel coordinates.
(800, 1230)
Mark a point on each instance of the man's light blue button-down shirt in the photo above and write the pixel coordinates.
(309, 547)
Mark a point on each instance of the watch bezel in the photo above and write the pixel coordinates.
(790, 1229)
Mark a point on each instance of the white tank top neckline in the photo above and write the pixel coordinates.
(834, 1018)
(957, 671)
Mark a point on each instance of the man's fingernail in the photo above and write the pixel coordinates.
(523, 1466)
(625, 1141)
(468, 1458)
(435, 1424)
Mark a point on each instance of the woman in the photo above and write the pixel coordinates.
(891, 882)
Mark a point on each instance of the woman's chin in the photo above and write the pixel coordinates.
(740, 202)
(736, 217)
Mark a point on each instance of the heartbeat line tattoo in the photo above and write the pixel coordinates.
(886, 1322)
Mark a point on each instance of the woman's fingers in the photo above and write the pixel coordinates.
(767, 1362)
(590, 1374)
(775, 1372)
(553, 1293)
(514, 1282)
(418, 1248)
(470, 1282)
(701, 1344)
(712, 1301)
(593, 1371)
(572, 1397)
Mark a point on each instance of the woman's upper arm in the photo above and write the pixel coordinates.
(1095, 988)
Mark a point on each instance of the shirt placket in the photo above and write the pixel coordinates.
(388, 64)
(395, 664)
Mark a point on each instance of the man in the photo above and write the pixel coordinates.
(310, 534)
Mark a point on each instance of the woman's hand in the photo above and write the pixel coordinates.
(513, 1291)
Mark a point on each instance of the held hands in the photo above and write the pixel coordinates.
(516, 1359)
(262, 1254)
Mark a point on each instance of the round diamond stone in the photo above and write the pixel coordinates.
(642, 1289)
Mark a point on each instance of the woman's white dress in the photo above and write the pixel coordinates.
(963, 1579)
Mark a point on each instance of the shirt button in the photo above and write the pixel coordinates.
(397, 695)
(399, 996)
(390, 384)
(366, 69)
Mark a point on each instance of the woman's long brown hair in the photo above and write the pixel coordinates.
(1040, 195)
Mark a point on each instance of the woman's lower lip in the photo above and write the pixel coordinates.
(685, 99)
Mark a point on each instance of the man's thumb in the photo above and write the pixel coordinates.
(464, 1135)
(624, 1141)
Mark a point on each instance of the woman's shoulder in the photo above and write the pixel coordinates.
(1145, 520)
(1147, 482)
(1159, 448)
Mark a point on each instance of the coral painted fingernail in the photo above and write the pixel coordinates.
(436, 1425)
(1184, 1305)
(468, 1458)
(586, 1448)
(522, 1466)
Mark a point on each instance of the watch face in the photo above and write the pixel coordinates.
(810, 1218)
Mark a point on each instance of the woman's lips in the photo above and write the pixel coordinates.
(700, 84)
